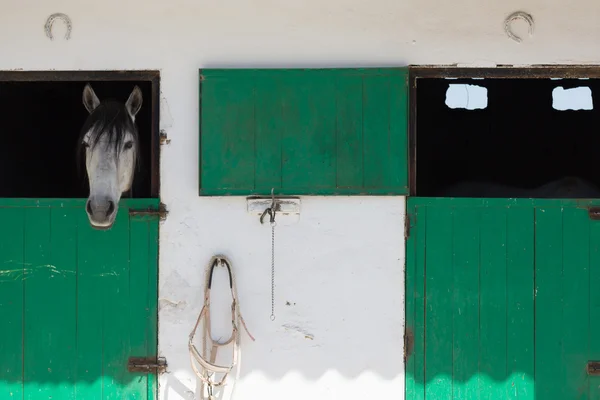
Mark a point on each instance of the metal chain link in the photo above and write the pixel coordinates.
(272, 271)
(271, 211)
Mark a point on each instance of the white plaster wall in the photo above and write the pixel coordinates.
(341, 265)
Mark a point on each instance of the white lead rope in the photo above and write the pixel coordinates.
(208, 367)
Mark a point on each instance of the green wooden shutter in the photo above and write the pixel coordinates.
(304, 132)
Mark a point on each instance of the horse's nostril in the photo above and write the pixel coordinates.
(88, 207)
(111, 207)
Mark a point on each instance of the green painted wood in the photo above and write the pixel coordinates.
(506, 292)
(575, 306)
(465, 302)
(11, 303)
(76, 303)
(594, 320)
(562, 302)
(439, 305)
(415, 302)
(520, 256)
(304, 131)
(492, 338)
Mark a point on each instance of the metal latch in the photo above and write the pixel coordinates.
(154, 365)
(161, 212)
(593, 368)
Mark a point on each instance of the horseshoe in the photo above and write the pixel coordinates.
(518, 15)
(50, 21)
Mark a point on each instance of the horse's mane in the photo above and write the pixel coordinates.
(109, 118)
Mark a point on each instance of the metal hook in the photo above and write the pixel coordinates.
(267, 211)
(271, 210)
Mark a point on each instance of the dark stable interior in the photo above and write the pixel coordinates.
(41, 123)
(518, 139)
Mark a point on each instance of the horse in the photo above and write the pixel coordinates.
(110, 143)
(569, 187)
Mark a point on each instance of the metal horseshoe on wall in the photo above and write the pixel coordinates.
(518, 15)
(50, 21)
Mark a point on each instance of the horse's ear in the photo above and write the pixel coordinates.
(134, 102)
(90, 100)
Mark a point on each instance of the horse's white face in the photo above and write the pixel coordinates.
(110, 163)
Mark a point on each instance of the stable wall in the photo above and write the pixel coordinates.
(341, 266)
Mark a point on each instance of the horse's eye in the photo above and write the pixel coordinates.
(128, 145)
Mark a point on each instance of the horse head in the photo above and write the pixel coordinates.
(109, 142)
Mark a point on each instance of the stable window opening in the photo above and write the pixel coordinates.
(43, 115)
(531, 140)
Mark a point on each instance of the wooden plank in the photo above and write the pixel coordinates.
(308, 142)
(140, 277)
(465, 303)
(415, 304)
(492, 300)
(39, 342)
(269, 127)
(62, 318)
(376, 131)
(594, 317)
(420, 303)
(575, 305)
(520, 303)
(115, 318)
(11, 302)
(90, 289)
(549, 373)
(396, 172)
(152, 306)
(349, 132)
(438, 318)
(227, 134)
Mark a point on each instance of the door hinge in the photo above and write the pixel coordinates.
(161, 212)
(594, 213)
(593, 368)
(154, 365)
(407, 226)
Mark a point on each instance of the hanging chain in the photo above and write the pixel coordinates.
(271, 211)
(273, 268)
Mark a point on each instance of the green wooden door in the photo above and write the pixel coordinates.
(501, 300)
(76, 303)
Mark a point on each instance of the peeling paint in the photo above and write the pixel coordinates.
(298, 329)
(29, 269)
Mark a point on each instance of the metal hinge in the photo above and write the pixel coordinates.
(593, 368)
(594, 213)
(154, 365)
(407, 226)
(161, 212)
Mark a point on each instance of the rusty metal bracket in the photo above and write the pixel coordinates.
(593, 368)
(594, 213)
(161, 212)
(155, 365)
(164, 138)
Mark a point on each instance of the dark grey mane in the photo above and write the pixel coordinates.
(109, 118)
